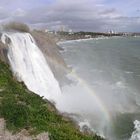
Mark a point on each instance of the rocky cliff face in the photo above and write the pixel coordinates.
(3, 52)
(51, 52)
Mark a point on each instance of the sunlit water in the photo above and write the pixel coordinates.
(110, 70)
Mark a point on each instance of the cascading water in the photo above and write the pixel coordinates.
(29, 65)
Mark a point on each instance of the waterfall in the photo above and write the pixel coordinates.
(29, 65)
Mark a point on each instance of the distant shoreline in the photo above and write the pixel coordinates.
(62, 41)
(86, 39)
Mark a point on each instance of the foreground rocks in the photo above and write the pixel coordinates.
(22, 135)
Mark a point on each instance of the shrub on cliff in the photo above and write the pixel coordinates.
(16, 26)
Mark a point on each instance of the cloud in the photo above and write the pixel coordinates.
(3, 13)
(19, 13)
(89, 15)
(79, 15)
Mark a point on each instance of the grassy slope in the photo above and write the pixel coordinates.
(23, 109)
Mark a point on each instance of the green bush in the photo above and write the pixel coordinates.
(15, 114)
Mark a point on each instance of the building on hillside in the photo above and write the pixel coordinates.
(70, 32)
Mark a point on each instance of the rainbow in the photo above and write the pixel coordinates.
(101, 105)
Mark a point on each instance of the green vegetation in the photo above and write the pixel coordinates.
(23, 109)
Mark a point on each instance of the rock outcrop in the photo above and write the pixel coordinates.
(3, 52)
(22, 135)
(51, 52)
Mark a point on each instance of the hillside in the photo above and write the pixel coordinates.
(23, 109)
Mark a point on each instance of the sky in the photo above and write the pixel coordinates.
(78, 15)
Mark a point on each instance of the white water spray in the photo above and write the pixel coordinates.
(136, 133)
(30, 66)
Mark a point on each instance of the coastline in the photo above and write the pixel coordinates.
(86, 39)
(76, 40)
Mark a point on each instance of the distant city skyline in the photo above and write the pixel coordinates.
(78, 15)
